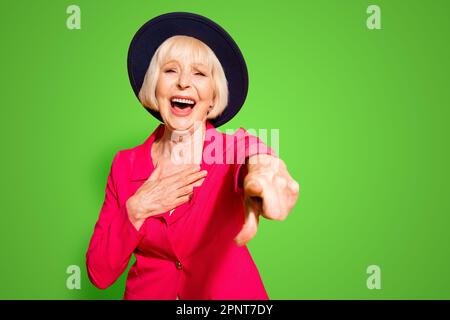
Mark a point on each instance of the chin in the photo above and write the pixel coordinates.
(179, 123)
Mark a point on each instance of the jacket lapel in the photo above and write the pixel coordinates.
(142, 165)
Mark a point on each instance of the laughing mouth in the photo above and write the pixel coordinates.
(182, 103)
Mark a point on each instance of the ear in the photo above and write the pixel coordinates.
(209, 109)
(215, 100)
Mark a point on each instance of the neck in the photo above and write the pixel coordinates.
(183, 146)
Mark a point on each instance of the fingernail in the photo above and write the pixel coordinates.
(238, 242)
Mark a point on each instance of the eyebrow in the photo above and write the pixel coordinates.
(195, 64)
(169, 62)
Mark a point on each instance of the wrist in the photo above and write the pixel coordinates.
(131, 210)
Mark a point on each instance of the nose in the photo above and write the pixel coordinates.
(184, 80)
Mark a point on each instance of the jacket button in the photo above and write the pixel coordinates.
(179, 265)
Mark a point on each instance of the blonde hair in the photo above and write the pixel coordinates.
(181, 48)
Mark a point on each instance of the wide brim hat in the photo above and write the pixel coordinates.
(154, 32)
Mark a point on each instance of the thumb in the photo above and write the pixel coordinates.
(253, 188)
(250, 226)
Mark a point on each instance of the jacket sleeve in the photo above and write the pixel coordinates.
(246, 145)
(114, 238)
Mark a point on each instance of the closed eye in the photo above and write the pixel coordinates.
(200, 74)
(169, 70)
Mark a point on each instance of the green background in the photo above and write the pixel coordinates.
(363, 119)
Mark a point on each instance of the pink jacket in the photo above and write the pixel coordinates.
(189, 253)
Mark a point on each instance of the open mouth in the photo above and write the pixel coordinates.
(182, 106)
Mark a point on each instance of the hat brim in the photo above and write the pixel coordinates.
(153, 33)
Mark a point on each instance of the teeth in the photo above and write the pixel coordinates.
(187, 101)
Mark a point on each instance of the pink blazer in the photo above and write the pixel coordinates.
(189, 253)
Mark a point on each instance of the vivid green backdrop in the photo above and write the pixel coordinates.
(363, 119)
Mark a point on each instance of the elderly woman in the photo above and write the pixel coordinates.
(188, 199)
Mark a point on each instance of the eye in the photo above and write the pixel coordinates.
(169, 70)
(198, 73)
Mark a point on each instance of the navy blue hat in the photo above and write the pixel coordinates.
(153, 33)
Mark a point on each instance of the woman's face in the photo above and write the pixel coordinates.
(185, 92)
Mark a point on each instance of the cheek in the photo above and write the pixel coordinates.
(159, 90)
(206, 90)
(162, 85)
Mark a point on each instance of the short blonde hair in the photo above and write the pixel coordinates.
(180, 48)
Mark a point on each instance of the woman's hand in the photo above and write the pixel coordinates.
(158, 195)
(269, 190)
